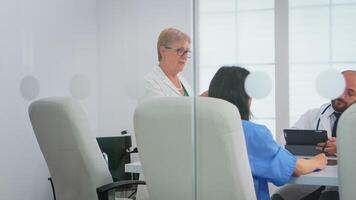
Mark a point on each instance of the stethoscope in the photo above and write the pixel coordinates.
(317, 124)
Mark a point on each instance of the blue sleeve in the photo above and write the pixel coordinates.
(267, 159)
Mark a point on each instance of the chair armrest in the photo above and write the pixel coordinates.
(103, 191)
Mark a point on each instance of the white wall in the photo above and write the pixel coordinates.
(111, 43)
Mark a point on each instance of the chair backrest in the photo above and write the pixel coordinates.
(117, 150)
(165, 137)
(346, 148)
(73, 157)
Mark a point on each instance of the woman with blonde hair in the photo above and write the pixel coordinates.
(173, 48)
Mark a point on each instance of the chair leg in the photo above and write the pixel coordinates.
(54, 192)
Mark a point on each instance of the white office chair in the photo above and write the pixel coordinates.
(77, 167)
(346, 148)
(164, 132)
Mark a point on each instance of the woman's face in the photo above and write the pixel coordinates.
(176, 55)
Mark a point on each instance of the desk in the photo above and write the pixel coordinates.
(134, 167)
(327, 177)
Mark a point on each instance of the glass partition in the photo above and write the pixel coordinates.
(320, 35)
(231, 33)
(241, 33)
(99, 53)
(96, 52)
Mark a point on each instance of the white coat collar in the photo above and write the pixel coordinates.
(325, 118)
(159, 72)
(328, 112)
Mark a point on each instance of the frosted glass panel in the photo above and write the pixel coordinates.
(344, 66)
(294, 3)
(309, 35)
(255, 37)
(303, 94)
(206, 73)
(344, 37)
(254, 4)
(343, 1)
(245, 37)
(217, 39)
(217, 6)
(264, 108)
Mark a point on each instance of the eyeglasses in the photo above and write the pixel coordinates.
(180, 51)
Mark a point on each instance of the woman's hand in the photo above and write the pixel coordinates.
(305, 166)
(205, 94)
(320, 161)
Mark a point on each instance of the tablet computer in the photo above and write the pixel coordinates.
(304, 137)
(303, 142)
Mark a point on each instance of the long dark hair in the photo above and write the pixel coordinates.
(229, 84)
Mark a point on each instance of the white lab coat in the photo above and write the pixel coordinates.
(157, 84)
(309, 120)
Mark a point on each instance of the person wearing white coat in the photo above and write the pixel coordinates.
(157, 84)
(173, 48)
(323, 118)
(165, 80)
(319, 119)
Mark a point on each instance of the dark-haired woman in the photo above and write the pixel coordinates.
(269, 162)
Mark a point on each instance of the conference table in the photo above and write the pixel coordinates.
(327, 176)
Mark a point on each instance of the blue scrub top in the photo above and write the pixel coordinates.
(269, 162)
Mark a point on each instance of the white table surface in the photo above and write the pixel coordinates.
(327, 176)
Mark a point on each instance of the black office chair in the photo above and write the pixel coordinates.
(117, 150)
